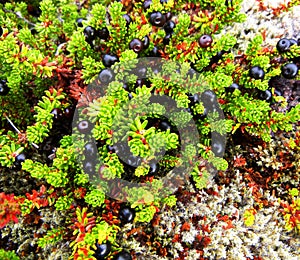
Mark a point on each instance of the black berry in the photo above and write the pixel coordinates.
(289, 71)
(109, 59)
(136, 45)
(127, 19)
(147, 4)
(19, 159)
(84, 127)
(126, 215)
(293, 42)
(164, 125)
(169, 26)
(193, 98)
(265, 95)
(205, 41)
(79, 22)
(155, 52)
(102, 250)
(146, 42)
(157, 19)
(153, 168)
(277, 92)
(106, 76)
(103, 33)
(57, 113)
(133, 160)
(168, 15)
(256, 72)
(218, 145)
(123, 255)
(89, 33)
(283, 45)
(233, 87)
(1, 31)
(166, 39)
(90, 150)
(208, 98)
(4, 89)
(88, 167)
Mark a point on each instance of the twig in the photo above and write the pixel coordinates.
(19, 132)
(19, 15)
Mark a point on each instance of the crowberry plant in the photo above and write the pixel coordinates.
(84, 122)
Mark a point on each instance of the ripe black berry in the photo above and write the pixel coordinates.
(164, 125)
(102, 251)
(193, 98)
(84, 127)
(4, 89)
(1, 31)
(289, 71)
(233, 87)
(89, 33)
(133, 161)
(109, 59)
(126, 215)
(293, 42)
(146, 42)
(19, 160)
(283, 45)
(79, 22)
(157, 19)
(136, 45)
(103, 33)
(166, 39)
(155, 52)
(153, 168)
(218, 146)
(90, 150)
(88, 167)
(123, 255)
(106, 76)
(208, 98)
(265, 95)
(169, 26)
(256, 72)
(205, 41)
(277, 92)
(147, 4)
(57, 113)
(127, 19)
(168, 15)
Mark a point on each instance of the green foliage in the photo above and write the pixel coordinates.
(95, 198)
(44, 118)
(63, 203)
(9, 149)
(51, 237)
(8, 255)
(146, 214)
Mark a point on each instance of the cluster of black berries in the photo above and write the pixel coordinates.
(91, 33)
(126, 215)
(104, 249)
(289, 70)
(163, 20)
